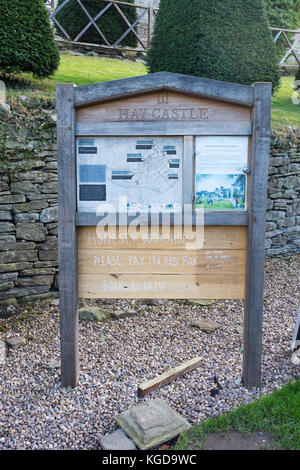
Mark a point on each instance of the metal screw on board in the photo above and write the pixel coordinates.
(246, 171)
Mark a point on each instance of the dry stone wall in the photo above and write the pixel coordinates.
(28, 200)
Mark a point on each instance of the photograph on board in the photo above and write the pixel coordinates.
(220, 192)
(220, 179)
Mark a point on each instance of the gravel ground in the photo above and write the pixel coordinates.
(36, 413)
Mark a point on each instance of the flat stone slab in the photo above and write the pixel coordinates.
(151, 424)
(2, 353)
(15, 342)
(116, 441)
(93, 314)
(205, 325)
(200, 302)
(120, 314)
(54, 364)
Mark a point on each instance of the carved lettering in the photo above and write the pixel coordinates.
(163, 114)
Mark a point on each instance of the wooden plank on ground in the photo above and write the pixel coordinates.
(167, 377)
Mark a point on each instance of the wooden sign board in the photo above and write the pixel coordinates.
(145, 149)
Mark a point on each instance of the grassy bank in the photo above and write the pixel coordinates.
(83, 70)
(277, 414)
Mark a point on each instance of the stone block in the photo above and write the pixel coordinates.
(12, 246)
(93, 314)
(151, 423)
(48, 255)
(6, 285)
(23, 187)
(121, 314)
(15, 342)
(32, 206)
(50, 187)
(116, 441)
(49, 215)
(13, 199)
(7, 227)
(31, 231)
(17, 256)
(49, 244)
(5, 216)
(7, 268)
(34, 281)
(205, 325)
(26, 217)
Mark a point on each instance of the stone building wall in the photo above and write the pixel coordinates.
(28, 200)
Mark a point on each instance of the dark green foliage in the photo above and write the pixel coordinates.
(26, 38)
(225, 40)
(73, 20)
(283, 13)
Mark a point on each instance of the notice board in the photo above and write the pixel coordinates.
(140, 153)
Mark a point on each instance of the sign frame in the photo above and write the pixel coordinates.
(256, 97)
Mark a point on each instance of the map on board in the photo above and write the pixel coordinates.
(147, 171)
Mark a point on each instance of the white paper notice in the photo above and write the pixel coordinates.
(220, 181)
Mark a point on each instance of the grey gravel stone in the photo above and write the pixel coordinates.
(15, 342)
(120, 314)
(116, 441)
(205, 325)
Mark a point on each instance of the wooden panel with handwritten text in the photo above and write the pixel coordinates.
(163, 269)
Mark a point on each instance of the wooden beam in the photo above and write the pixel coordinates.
(172, 374)
(296, 335)
(221, 91)
(87, 219)
(67, 236)
(257, 201)
(177, 128)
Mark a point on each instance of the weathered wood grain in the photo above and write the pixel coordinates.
(67, 236)
(257, 201)
(165, 286)
(296, 334)
(163, 106)
(215, 238)
(86, 219)
(162, 128)
(223, 91)
(169, 376)
(209, 262)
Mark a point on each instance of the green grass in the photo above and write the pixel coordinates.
(277, 414)
(83, 70)
(284, 112)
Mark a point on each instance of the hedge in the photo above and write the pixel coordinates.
(225, 40)
(26, 38)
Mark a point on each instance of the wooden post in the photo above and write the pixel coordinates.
(67, 235)
(260, 148)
